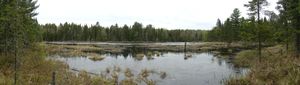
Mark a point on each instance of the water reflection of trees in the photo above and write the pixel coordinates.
(149, 55)
(139, 53)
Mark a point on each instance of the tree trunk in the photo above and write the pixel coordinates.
(258, 26)
(287, 36)
(297, 44)
(296, 26)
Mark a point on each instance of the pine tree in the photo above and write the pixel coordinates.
(137, 29)
(235, 23)
(255, 7)
(290, 9)
(126, 33)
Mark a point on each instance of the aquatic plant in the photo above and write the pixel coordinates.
(163, 75)
(144, 73)
(117, 69)
(157, 53)
(138, 56)
(128, 73)
(188, 55)
(96, 57)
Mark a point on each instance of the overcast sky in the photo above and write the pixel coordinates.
(170, 14)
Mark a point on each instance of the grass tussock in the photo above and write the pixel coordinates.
(95, 57)
(276, 67)
(246, 58)
(71, 50)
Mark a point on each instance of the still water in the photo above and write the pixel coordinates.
(200, 69)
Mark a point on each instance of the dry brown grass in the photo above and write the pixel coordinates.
(71, 50)
(139, 56)
(96, 57)
(34, 69)
(277, 67)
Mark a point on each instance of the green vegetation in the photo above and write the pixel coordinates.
(236, 29)
(96, 57)
(23, 61)
(19, 32)
(272, 28)
(136, 32)
(245, 58)
(35, 69)
(277, 67)
(18, 28)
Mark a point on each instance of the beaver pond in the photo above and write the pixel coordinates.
(179, 68)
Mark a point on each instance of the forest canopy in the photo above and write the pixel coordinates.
(136, 32)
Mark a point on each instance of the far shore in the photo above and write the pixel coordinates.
(119, 47)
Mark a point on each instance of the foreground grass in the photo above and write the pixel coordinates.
(276, 67)
(36, 69)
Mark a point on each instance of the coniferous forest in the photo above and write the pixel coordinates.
(136, 32)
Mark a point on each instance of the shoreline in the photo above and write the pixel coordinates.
(84, 48)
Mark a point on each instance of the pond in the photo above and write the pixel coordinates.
(198, 69)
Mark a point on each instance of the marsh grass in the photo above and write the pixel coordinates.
(138, 56)
(277, 67)
(35, 69)
(142, 77)
(246, 58)
(72, 50)
(95, 57)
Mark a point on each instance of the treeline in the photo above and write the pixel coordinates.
(18, 27)
(136, 32)
(279, 28)
(237, 28)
